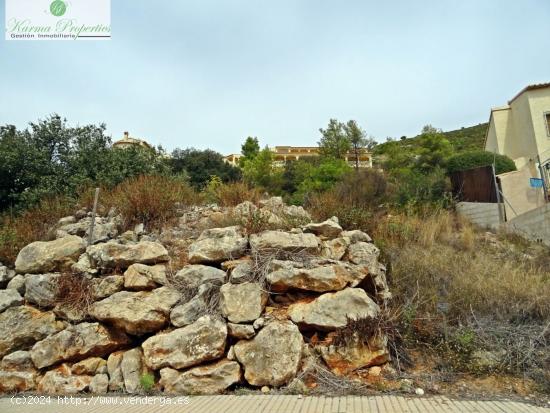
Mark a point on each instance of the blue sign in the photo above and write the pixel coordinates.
(535, 182)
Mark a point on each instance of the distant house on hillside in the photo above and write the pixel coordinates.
(283, 154)
(521, 129)
(127, 142)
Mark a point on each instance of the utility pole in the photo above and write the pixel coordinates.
(91, 234)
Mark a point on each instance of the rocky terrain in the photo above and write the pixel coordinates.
(248, 306)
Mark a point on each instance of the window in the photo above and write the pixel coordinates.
(547, 121)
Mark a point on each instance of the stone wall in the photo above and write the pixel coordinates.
(251, 310)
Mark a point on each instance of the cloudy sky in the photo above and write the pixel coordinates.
(208, 73)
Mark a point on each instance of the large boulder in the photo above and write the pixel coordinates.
(336, 248)
(355, 353)
(217, 245)
(318, 275)
(62, 381)
(9, 298)
(272, 358)
(17, 283)
(99, 384)
(332, 310)
(209, 379)
(17, 361)
(40, 289)
(137, 312)
(113, 255)
(192, 276)
(327, 229)
(144, 277)
(279, 240)
(46, 256)
(77, 342)
(116, 380)
(22, 326)
(194, 344)
(244, 302)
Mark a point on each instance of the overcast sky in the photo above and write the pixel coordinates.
(208, 73)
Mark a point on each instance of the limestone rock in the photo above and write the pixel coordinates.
(209, 379)
(273, 356)
(5, 274)
(46, 256)
(242, 302)
(17, 381)
(336, 248)
(17, 283)
(77, 342)
(355, 354)
(40, 289)
(192, 276)
(144, 277)
(17, 361)
(22, 326)
(328, 229)
(357, 236)
(364, 253)
(106, 286)
(201, 341)
(84, 265)
(137, 312)
(61, 381)
(319, 275)
(240, 331)
(133, 367)
(241, 273)
(99, 384)
(114, 255)
(217, 245)
(9, 298)
(331, 310)
(185, 314)
(284, 241)
(116, 380)
(90, 366)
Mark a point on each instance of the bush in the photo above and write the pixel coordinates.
(151, 200)
(476, 159)
(18, 230)
(147, 382)
(230, 194)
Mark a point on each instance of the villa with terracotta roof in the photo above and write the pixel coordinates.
(283, 154)
(521, 129)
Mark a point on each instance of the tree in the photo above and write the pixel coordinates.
(249, 149)
(261, 172)
(357, 139)
(433, 151)
(334, 142)
(200, 165)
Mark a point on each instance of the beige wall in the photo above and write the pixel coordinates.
(520, 131)
(519, 196)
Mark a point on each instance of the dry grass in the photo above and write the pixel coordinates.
(151, 200)
(445, 263)
(16, 231)
(74, 292)
(234, 193)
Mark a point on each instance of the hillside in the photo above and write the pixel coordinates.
(463, 139)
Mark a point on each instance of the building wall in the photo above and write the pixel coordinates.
(484, 214)
(533, 225)
(519, 196)
(539, 104)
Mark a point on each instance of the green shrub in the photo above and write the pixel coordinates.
(147, 382)
(476, 159)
